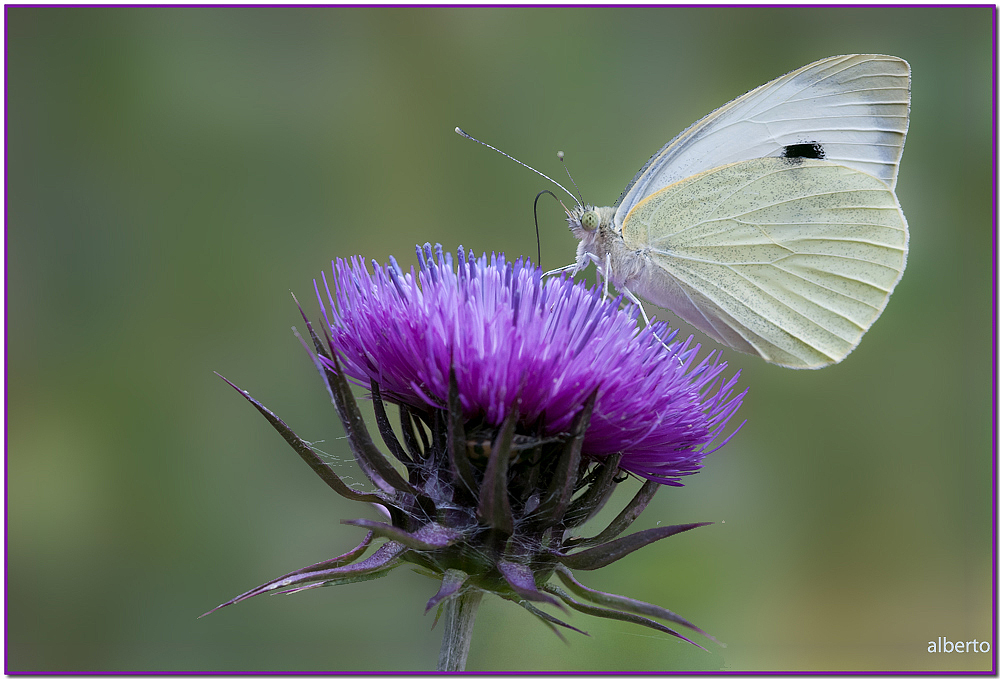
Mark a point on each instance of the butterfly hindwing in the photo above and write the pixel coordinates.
(789, 258)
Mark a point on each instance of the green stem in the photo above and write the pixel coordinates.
(459, 616)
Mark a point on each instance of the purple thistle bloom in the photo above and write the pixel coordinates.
(512, 334)
(520, 398)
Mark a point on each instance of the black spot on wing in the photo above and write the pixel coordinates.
(809, 149)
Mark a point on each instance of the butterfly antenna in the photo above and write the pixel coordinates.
(465, 134)
(538, 237)
(560, 155)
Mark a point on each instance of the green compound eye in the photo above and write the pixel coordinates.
(589, 220)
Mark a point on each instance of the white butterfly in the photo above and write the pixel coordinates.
(771, 224)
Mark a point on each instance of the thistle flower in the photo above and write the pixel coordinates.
(521, 399)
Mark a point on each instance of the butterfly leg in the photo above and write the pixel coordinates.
(568, 267)
(630, 296)
(606, 273)
(579, 265)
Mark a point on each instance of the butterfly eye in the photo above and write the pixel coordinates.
(589, 220)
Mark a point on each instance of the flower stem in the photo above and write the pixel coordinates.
(459, 616)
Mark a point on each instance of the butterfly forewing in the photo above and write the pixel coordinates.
(789, 258)
(851, 110)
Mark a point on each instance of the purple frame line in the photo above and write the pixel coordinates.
(702, 673)
(6, 391)
(439, 5)
(994, 358)
(715, 673)
(995, 404)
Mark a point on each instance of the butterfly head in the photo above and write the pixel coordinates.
(586, 220)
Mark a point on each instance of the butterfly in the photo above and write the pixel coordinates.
(771, 224)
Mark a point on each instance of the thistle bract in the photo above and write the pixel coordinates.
(521, 398)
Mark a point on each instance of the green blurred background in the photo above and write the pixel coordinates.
(174, 173)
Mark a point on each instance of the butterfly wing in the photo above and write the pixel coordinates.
(791, 259)
(851, 110)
